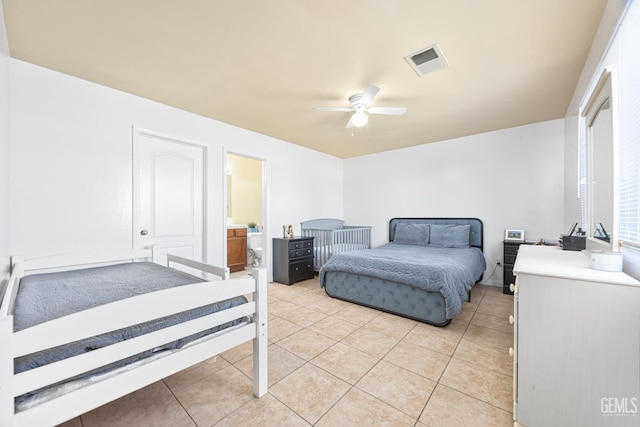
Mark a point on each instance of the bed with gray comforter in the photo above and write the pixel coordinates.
(425, 272)
(48, 296)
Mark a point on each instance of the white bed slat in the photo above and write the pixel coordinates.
(217, 271)
(36, 378)
(6, 373)
(85, 399)
(96, 257)
(10, 292)
(260, 345)
(130, 311)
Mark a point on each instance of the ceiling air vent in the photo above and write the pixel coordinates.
(426, 60)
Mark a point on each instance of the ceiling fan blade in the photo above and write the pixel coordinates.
(332, 109)
(369, 93)
(394, 111)
(349, 123)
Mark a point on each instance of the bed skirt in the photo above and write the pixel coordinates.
(392, 297)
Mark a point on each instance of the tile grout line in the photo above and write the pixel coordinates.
(179, 402)
(451, 357)
(352, 386)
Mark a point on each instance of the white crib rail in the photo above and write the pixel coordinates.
(328, 242)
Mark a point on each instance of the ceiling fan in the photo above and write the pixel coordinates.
(360, 107)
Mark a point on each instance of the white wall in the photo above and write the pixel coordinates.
(71, 161)
(511, 178)
(245, 176)
(4, 153)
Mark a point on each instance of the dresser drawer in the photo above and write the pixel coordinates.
(509, 277)
(301, 270)
(300, 244)
(297, 253)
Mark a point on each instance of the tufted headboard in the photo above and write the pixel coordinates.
(476, 239)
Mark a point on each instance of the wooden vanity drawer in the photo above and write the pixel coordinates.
(236, 232)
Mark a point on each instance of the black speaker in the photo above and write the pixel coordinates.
(573, 243)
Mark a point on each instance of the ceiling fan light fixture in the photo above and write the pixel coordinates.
(359, 119)
(360, 107)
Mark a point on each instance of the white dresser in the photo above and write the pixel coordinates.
(576, 342)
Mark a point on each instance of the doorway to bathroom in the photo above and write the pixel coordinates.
(245, 208)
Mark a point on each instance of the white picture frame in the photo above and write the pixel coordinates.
(513, 235)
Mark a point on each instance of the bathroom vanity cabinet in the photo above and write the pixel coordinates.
(236, 248)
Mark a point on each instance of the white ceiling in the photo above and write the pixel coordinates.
(264, 65)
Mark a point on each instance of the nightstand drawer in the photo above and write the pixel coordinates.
(297, 253)
(511, 249)
(300, 244)
(509, 259)
(301, 270)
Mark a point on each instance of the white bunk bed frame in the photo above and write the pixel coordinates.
(118, 315)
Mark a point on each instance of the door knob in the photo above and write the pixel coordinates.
(144, 232)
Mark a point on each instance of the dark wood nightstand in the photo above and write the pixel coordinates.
(292, 259)
(509, 259)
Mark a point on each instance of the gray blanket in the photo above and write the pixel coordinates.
(44, 297)
(450, 271)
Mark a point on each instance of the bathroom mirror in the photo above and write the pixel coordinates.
(229, 198)
(598, 130)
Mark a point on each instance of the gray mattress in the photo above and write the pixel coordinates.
(44, 297)
(401, 278)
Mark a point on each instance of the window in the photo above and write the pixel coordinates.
(598, 128)
(629, 137)
(624, 88)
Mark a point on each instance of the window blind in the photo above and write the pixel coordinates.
(629, 121)
(582, 180)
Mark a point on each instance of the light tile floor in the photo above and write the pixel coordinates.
(334, 363)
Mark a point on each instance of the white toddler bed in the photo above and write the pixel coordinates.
(333, 237)
(67, 390)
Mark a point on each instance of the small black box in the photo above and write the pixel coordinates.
(573, 243)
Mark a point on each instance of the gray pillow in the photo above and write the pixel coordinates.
(450, 236)
(412, 234)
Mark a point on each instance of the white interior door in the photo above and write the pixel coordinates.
(168, 195)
